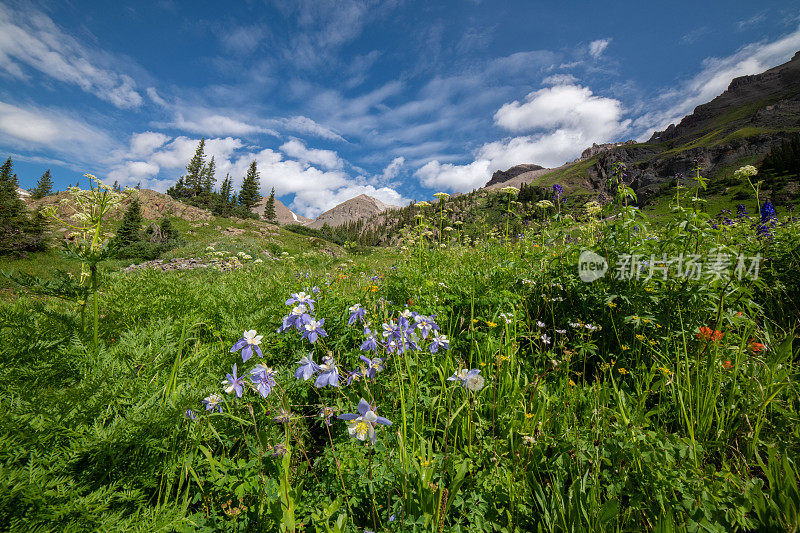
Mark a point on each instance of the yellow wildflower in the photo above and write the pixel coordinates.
(623, 371)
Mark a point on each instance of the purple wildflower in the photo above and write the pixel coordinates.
(370, 344)
(439, 341)
(307, 367)
(328, 373)
(313, 329)
(374, 365)
(233, 383)
(263, 378)
(294, 320)
(363, 424)
(213, 403)
(301, 298)
(247, 344)
(356, 313)
(470, 379)
(190, 414)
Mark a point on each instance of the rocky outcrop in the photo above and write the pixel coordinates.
(361, 207)
(502, 176)
(155, 206)
(595, 149)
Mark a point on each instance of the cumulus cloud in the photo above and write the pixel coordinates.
(452, 177)
(296, 149)
(144, 144)
(32, 40)
(568, 107)
(713, 79)
(597, 47)
(560, 121)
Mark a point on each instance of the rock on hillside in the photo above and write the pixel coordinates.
(155, 205)
(283, 214)
(520, 178)
(503, 176)
(361, 207)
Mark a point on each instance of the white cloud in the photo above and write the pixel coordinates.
(326, 158)
(560, 79)
(568, 107)
(713, 80)
(32, 129)
(154, 96)
(306, 125)
(32, 39)
(215, 124)
(144, 144)
(597, 47)
(452, 177)
(561, 121)
(392, 169)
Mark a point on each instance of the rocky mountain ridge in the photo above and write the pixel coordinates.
(361, 207)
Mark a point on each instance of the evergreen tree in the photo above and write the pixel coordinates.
(129, 230)
(269, 208)
(19, 232)
(194, 170)
(44, 186)
(226, 189)
(249, 194)
(179, 190)
(209, 181)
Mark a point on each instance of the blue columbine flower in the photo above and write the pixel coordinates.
(439, 341)
(370, 344)
(233, 383)
(356, 313)
(301, 298)
(374, 365)
(470, 379)
(294, 320)
(767, 212)
(263, 378)
(307, 367)
(426, 324)
(247, 344)
(363, 424)
(328, 373)
(312, 329)
(213, 403)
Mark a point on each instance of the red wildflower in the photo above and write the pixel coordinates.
(756, 347)
(727, 365)
(706, 334)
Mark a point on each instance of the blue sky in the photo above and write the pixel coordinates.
(397, 99)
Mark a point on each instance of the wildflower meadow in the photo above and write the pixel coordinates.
(594, 369)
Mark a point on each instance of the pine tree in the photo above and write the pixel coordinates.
(269, 208)
(128, 231)
(226, 189)
(194, 170)
(11, 207)
(19, 232)
(209, 181)
(249, 194)
(44, 186)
